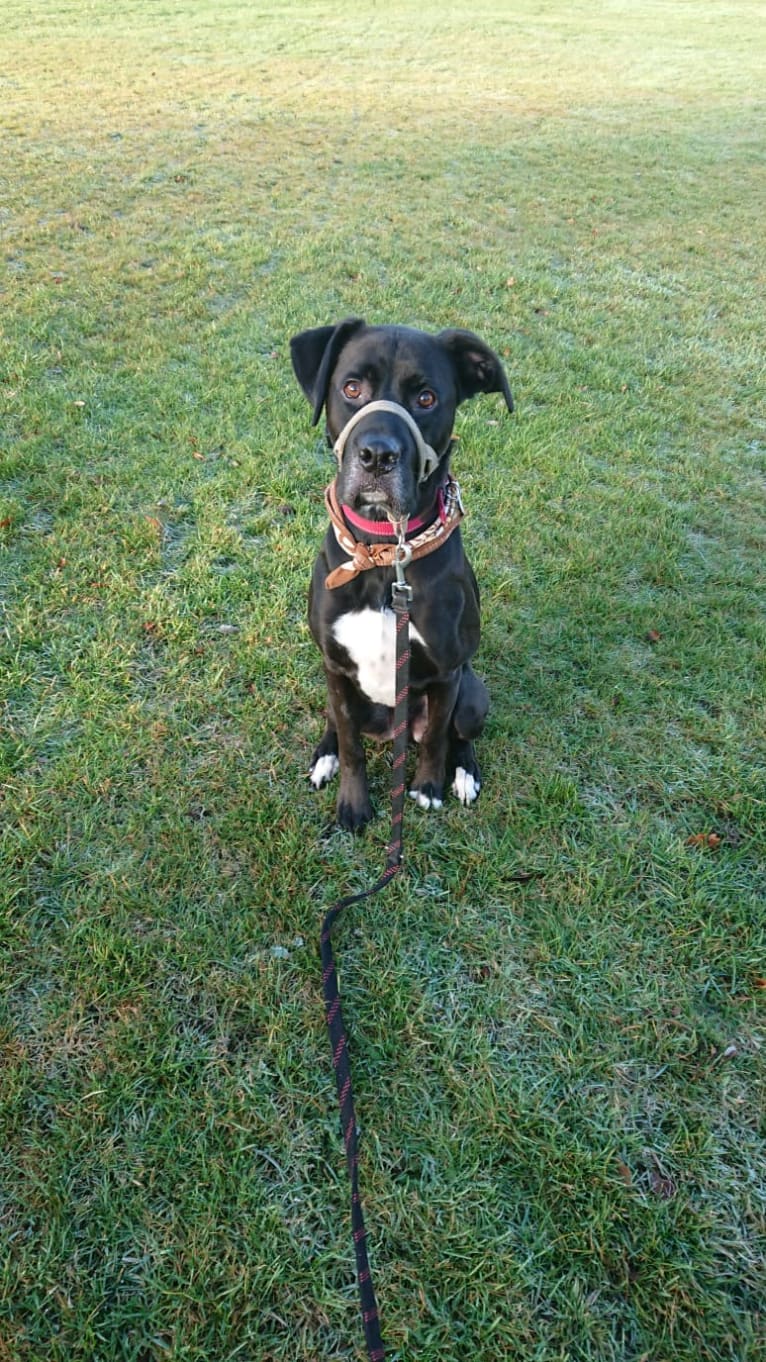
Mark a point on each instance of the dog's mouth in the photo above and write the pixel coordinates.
(377, 494)
(373, 503)
(378, 473)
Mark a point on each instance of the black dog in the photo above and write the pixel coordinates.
(394, 477)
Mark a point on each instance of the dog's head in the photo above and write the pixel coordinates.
(386, 470)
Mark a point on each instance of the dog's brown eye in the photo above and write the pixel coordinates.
(426, 399)
(352, 389)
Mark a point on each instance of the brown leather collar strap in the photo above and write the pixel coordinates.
(365, 556)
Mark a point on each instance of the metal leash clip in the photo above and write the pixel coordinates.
(401, 589)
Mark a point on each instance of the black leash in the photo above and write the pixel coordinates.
(402, 595)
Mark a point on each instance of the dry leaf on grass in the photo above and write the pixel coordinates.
(704, 839)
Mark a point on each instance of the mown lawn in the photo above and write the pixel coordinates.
(556, 1031)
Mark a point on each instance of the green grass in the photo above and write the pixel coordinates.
(559, 1078)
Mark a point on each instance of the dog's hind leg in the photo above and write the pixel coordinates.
(467, 723)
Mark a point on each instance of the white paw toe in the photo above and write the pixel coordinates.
(324, 769)
(424, 801)
(465, 786)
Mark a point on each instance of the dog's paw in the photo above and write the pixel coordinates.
(323, 770)
(466, 786)
(353, 817)
(427, 796)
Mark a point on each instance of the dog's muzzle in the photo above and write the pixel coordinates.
(429, 459)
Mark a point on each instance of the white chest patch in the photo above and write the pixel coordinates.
(369, 637)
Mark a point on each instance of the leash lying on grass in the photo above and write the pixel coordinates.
(401, 597)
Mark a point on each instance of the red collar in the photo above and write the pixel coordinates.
(376, 527)
(363, 555)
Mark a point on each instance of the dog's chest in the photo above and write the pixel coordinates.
(369, 638)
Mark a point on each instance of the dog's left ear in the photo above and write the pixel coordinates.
(478, 368)
(314, 354)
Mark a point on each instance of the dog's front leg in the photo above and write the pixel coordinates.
(353, 809)
(428, 786)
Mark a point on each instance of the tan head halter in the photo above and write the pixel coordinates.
(429, 459)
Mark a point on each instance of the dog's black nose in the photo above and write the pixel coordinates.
(378, 453)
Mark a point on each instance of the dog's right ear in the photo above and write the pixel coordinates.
(478, 369)
(314, 354)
